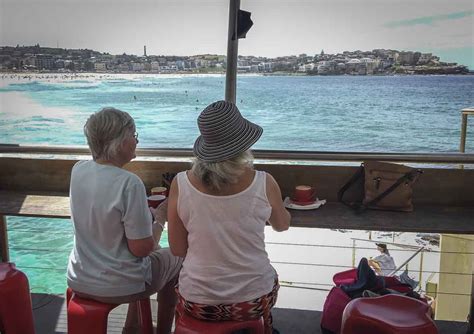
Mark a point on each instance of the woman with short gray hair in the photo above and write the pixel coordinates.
(217, 214)
(114, 258)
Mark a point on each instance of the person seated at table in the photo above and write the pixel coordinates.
(383, 264)
(217, 214)
(114, 259)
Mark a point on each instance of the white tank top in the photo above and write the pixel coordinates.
(226, 261)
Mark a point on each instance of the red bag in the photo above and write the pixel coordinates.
(336, 301)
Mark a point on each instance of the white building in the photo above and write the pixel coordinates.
(100, 67)
(137, 67)
(155, 66)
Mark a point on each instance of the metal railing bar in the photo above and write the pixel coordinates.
(350, 267)
(35, 249)
(365, 248)
(454, 158)
(322, 289)
(406, 261)
(13, 229)
(43, 268)
(44, 230)
(389, 243)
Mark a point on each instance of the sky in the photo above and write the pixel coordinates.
(291, 27)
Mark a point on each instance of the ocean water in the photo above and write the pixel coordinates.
(340, 113)
(345, 113)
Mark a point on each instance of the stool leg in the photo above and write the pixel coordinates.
(68, 295)
(144, 316)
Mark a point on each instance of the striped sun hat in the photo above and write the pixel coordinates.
(224, 133)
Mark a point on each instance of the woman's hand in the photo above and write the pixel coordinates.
(160, 214)
(160, 218)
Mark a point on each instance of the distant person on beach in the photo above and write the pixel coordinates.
(383, 264)
(115, 257)
(217, 214)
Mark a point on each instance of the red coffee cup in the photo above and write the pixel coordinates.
(155, 200)
(304, 194)
(159, 191)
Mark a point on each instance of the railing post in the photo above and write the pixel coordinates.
(421, 269)
(462, 145)
(353, 253)
(4, 255)
(232, 53)
(470, 329)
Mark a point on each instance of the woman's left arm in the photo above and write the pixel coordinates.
(177, 234)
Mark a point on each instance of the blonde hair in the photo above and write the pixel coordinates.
(105, 131)
(215, 175)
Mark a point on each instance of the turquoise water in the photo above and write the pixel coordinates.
(391, 114)
(342, 113)
(40, 248)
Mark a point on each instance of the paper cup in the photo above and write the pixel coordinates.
(155, 200)
(159, 191)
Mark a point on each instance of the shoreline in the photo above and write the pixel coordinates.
(135, 75)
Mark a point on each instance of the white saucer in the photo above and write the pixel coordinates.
(289, 205)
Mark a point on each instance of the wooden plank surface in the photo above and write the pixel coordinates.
(425, 218)
(50, 205)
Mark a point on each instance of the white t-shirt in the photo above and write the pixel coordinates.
(386, 262)
(226, 261)
(108, 205)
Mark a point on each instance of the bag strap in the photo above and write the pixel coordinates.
(350, 183)
(410, 176)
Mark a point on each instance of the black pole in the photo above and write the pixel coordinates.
(232, 52)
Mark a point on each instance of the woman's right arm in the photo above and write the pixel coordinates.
(177, 234)
(280, 217)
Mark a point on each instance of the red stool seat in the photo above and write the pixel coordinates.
(389, 314)
(187, 324)
(345, 277)
(90, 316)
(16, 313)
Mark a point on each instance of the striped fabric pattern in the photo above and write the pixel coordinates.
(224, 132)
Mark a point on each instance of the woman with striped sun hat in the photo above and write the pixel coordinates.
(217, 213)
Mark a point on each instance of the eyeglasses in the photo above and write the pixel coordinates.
(135, 135)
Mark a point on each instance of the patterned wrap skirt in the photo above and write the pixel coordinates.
(248, 310)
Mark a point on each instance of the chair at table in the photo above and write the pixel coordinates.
(389, 314)
(187, 324)
(90, 316)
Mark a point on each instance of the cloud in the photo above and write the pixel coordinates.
(429, 20)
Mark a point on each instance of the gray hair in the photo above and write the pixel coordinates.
(105, 131)
(217, 174)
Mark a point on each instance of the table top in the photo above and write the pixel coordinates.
(50, 205)
(332, 215)
(468, 111)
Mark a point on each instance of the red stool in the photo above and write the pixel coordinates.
(16, 313)
(389, 314)
(345, 277)
(187, 324)
(90, 316)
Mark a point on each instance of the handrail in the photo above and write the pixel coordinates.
(406, 261)
(387, 243)
(283, 155)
